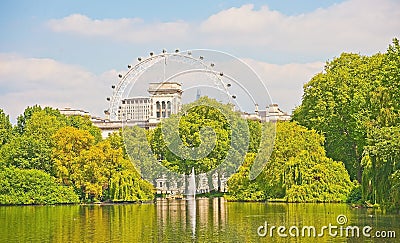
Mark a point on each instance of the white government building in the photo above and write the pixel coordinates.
(165, 99)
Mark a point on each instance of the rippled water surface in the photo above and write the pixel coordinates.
(202, 220)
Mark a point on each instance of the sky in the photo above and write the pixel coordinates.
(69, 53)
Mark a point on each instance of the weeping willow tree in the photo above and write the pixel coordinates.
(127, 186)
(381, 176)
(297, 171)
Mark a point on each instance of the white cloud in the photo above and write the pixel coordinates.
(29, 81)
(125, 29)
(285, 82)
(355, 25)
(364, 26)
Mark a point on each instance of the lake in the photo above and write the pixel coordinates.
(200, 220)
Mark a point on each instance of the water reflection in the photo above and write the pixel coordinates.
(200, 220)
(192, 214)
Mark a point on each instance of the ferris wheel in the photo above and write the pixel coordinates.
(220, 80)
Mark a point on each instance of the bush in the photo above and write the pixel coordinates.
(355, 195)
(19, 186)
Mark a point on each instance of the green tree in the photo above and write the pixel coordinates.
(19, 186)
(137, 146)
(298, 170)
(23, 119)
(84, 123)
(5, 128)
(381, 168)
(241, 188)
(33, 148)
(69, 143)
(127, 186)
(95, 169)
(355, 99)
(255, 135)
(353, 95)
(205, 129)
(334, 103)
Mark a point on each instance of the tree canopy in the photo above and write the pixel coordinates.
(355, 103)
(297, 171)
(201, 136)
(72, 158)
(353, 95)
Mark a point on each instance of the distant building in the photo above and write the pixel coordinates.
(74, 112)
(165, 100)
(147, 112)
(135, 109)
(272, 114)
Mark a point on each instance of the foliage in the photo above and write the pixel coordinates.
(327, 181)
(71, 150)
(355, 103)
(298, 170)
(137, 147)
(23, 120)
(32, 149)
(355, 195)
(381, 177)
(127, 186)
(84, 123)
(92, 168)
(354, 94)
(241, 188)
(255, 138)
(69, 143)
(19, 186)
(5, 128)
(200, 124)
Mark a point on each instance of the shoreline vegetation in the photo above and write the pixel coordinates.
(341, 146)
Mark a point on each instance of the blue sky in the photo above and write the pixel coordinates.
(67, 53)
(23, 25)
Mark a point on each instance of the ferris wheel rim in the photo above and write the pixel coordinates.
(119, 89)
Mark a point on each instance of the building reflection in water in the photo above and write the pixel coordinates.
(191, 214)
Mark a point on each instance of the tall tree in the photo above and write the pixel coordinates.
(96, 170)
(33, 148)
(381, 167)
(5, 128)
(200, 137)
(70, 142)
(354, 94)
(298, 171)
(23, 119)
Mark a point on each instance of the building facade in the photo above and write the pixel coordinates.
(272, 113)
(135, 109)
(165, 99)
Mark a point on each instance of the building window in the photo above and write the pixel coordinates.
(163, 109)
(168, 108)
(158, 109)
